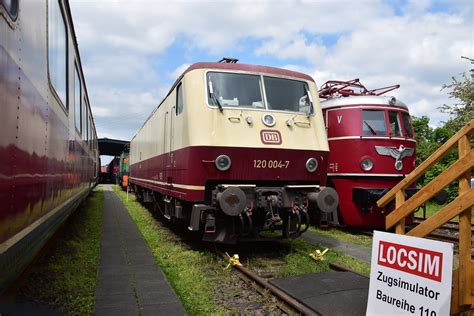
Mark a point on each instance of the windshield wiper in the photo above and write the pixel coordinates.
(311, 108)
(371, 128)
(217, 102)
(214, 98)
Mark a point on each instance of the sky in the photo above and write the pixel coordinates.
(133, 51)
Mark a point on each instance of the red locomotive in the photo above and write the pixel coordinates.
(372, 147)
(48, 147)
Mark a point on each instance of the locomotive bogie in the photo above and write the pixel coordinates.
(217, 146)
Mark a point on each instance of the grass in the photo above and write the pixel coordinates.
(65, 277)
(191, 273)
(299, 262)
(358, 239)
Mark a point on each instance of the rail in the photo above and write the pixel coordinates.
(462, 298)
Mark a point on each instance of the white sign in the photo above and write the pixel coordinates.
(409, 276)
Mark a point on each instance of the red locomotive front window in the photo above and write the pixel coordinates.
(407, 123)
(373, 122)
(395, 129)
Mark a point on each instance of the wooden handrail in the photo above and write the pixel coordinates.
(468, 129)
(427, 192)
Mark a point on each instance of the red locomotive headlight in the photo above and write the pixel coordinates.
(367, 164)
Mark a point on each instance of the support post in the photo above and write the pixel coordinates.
(465, 243)
(399, 200)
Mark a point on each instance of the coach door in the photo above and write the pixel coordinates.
(168, 144)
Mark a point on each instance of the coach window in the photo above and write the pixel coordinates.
(90, 132)
(179, 99)
(11, 6)
(86, 138)
(77, 101)
(407, 123)
(373, 122)
(395, 129)
(57, 50)
(84, 120)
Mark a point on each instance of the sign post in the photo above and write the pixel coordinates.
(409, 276)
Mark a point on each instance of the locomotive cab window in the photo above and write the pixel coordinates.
(57, 51)
(373, 122)
(287, 95)
(11, 6)
(234, 90)
(407, 124)
(248, 91)
(395, 129)
(179, 99)
(77, 101)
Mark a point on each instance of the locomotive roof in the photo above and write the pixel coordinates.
(362, 100)
(231, 66)
(249, 68)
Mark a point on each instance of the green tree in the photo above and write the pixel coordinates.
(460, 113)
(428, 140)
(462, 90)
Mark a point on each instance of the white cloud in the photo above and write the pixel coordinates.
(178, 71)
(123, 45)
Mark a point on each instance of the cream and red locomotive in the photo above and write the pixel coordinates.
(372, 147)
(48, 147)
(235, 150)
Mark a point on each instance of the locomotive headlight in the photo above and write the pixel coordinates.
(392, 101)
(290, 122)
(268, 120)
(223, 162)
(311, 164)
(367, 164)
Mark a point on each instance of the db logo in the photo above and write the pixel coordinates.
(270, 137)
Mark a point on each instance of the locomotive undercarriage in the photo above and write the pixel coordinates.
(241, 212)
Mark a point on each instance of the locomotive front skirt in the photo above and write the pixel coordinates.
(234, 150)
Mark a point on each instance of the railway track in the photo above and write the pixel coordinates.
(290, 305)
(450, 226)
(447, 232)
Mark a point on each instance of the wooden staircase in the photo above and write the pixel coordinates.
(463, 278)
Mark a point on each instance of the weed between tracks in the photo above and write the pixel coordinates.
(295, 260)
(65, 277)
